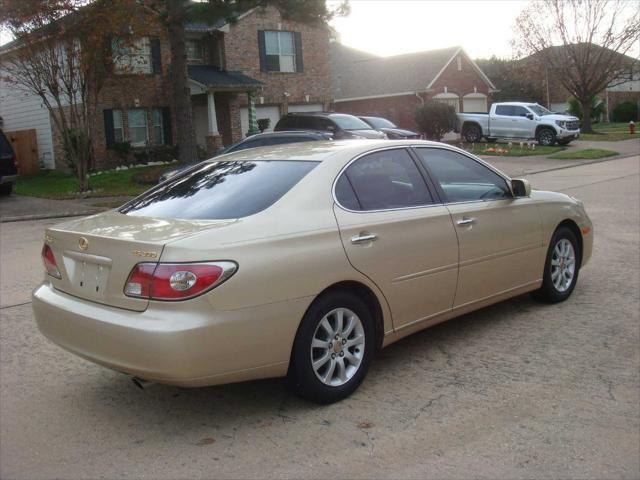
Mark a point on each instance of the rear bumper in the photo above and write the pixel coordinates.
(184, 343)
(8, 179)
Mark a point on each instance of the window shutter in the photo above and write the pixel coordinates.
(156, 60)
(263, 51)
(298, 46)
(109, 134)
(166, 126)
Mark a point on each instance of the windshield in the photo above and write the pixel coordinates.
(539, 110)
(349, 122)
(220, 190)
(377, 122)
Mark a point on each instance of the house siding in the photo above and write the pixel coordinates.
(21, 110)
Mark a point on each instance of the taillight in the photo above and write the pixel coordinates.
(176, 281)
(50, 264)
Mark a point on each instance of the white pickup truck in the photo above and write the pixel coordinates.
(518, 120)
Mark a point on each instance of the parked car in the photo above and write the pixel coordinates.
(389, 128)
(302, 262)
(8, 165)
(259, 140)
(341, 125)
(519, 120)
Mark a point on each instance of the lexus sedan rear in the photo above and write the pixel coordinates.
(301, 261)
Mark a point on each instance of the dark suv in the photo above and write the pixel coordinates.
(8, 165)
(341, 125)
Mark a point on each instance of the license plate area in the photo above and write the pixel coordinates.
(87, 274)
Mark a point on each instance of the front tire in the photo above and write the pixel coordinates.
(561, 267)
(333, 348)
(546, 137)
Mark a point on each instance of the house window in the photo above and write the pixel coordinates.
(132, 56)
(194, 50)
(157, 129)
(280, 51)
(138, 131)
(118, 130)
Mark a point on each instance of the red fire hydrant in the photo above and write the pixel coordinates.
(632, 127)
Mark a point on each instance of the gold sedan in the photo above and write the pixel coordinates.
(301, 261)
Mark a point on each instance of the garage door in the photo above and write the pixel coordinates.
(306, 107)
(272, 113)
(474, 102)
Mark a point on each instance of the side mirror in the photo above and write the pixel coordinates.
(529, 116)
(521, 187)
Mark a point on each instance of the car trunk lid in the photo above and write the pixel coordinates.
(96, 254)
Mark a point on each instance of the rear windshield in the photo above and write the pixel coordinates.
(377, 122)
(220, 190)
(349, 122)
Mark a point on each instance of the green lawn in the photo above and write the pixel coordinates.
(589, 153)
(503, 149)
(610, 132)
(61, 185)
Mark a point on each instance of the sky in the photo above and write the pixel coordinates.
(390, 27)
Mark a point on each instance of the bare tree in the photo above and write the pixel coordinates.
(59, 55)
(583, 43)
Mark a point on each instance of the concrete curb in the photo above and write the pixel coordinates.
(24, 218)
(590, 162)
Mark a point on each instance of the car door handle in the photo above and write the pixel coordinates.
(364, 238)
(466, 221)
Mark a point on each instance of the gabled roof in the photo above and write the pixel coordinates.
(358, 74)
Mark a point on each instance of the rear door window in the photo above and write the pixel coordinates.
(381, 181)
(6, 150)
(220, 190)
(506, 110)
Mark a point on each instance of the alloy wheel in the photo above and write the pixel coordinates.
(337, 347)
(563, 265)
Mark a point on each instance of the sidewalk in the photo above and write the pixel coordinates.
(19, 207)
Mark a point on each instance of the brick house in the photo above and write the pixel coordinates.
(261, 62)
(392, 87)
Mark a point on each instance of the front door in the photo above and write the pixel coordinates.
(500, 236)
(397, 235)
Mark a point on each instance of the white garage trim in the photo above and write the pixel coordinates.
(306, 107)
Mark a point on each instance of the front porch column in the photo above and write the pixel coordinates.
(213, 120)
(213, 139)
(253, 122)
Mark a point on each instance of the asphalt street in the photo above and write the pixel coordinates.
(516, 390)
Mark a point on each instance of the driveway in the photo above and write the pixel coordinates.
(516, 390)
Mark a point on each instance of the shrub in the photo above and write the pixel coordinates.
(625, 112)
(263, 124)
(435, 118)
(122, 150)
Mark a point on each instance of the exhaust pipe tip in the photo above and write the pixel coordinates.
(141, 383)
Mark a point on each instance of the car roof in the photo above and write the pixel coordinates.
(319, 114)
(517, 104)
(320, 151)
(280, 133)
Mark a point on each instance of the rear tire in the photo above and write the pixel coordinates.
(546, 137)
(6, 189)
(561, 267)
(333, 348)
(472, 133)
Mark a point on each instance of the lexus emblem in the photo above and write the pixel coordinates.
(83, 243)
